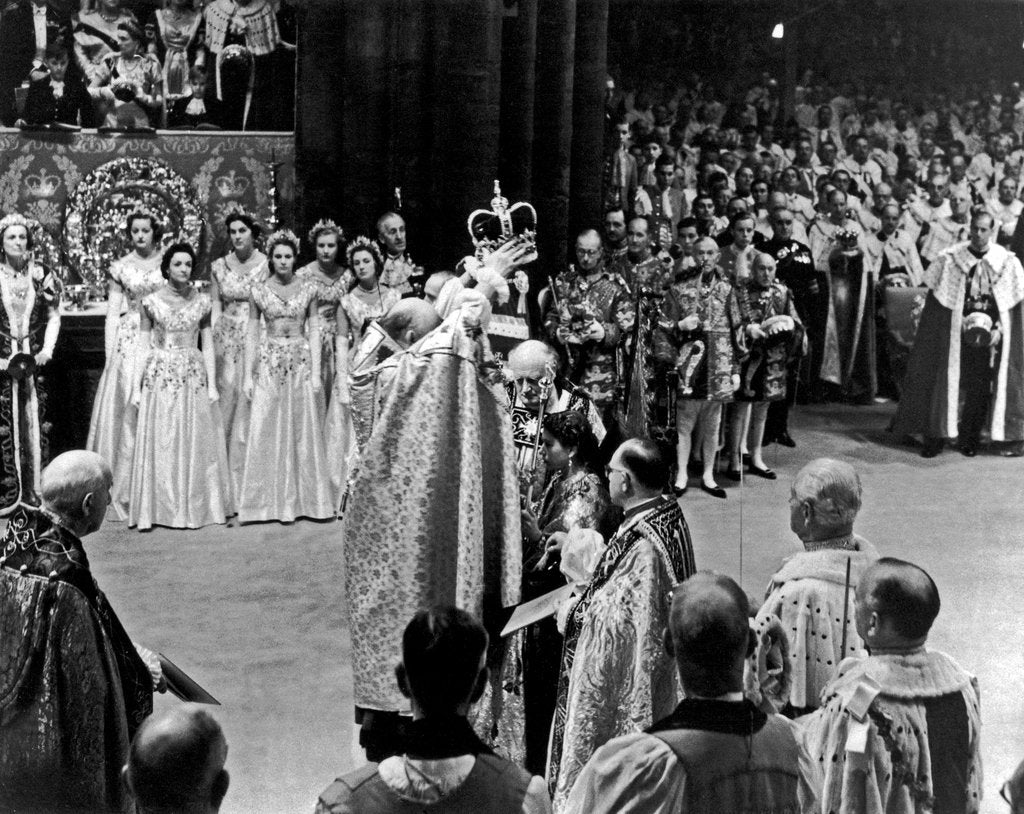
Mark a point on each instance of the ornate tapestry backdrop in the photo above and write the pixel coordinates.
(42, 173)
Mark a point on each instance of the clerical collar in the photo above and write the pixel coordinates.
(976, 253)
(728, 717)
(845, 543)
(440, 737)
(642, 507)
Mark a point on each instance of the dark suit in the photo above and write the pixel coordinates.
(75, 106)
(178, 117)
(18, 48)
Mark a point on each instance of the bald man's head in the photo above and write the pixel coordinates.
(409, 320)
(75, 487)
(709, 634)
(531, 358)
(176, 762)
(896, 604)
(529, 362)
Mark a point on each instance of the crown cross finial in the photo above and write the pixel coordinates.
(499, 203)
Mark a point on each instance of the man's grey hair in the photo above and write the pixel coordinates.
(832, 489)
(383, 218)
(69, 478)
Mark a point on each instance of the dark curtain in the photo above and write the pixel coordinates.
(588, 112)
(552, 129)
(441, 99)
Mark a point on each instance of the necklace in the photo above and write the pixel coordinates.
(182, 292)
(18, 281)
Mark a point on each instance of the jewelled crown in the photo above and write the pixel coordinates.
(490, 228)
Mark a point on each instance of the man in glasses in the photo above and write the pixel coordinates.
(616, 677)
(590, 308)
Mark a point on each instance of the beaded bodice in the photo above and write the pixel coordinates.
(360, 312)
(137, 276)
(328, 293)
(235, 279)
(176, 328)
(274, 306)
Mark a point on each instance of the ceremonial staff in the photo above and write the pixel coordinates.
(546, 383)
(846, 601)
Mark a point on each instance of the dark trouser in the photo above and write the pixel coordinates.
(976, 375)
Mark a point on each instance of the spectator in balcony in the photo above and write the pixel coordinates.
(247, 91)
(178, 45)
(96, 36)
(131, 76)
(29, 28)
(57, 94)
(195, 109)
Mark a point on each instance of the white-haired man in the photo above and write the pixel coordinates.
(533, 366)
(398, 265)
(78, 687)
(807, 593)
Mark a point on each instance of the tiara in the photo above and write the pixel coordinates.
(283, 236)
(14, 219)
(363, 243)
(325, 225)
(141, 212)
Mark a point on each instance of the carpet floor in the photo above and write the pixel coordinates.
(257, 614)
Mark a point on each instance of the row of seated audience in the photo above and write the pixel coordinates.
(877, 188)
(225, 64)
